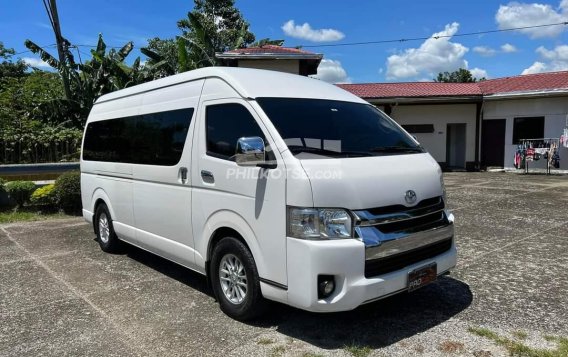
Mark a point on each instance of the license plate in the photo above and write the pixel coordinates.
(422, 276)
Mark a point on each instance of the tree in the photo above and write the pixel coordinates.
(462, 75)
(166, 57)
(105, 72)
(8, 68)
(162, 53)
(213, 26)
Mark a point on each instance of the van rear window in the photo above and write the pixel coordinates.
(149, 139)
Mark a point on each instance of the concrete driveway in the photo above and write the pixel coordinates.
(61, 296)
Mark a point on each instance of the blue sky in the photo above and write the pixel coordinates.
(330, 22)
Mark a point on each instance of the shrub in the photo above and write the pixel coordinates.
(44, 196)
(20, 191)
(68, 192)
(2, 188)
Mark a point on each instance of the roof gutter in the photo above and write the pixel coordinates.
(402, 100)
(531, 94)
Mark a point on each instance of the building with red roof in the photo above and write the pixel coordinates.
(477, 125)
(467, 126)
(276, 58)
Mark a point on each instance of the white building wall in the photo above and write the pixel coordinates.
(554, 110)
(288, 66)
(440, 116)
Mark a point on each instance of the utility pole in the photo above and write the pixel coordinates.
(51, 8)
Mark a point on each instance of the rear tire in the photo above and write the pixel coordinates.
(104, 229)
(235, 280)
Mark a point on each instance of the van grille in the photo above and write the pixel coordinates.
(427, 214)
(398, 261)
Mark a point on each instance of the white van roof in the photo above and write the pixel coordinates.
(249, 83)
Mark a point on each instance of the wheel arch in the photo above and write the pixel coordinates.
(100, 197)
(230, 224)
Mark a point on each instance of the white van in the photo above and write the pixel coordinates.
(272, 185)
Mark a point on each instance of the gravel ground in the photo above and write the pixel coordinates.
(60, 295)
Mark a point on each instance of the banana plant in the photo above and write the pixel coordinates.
(103, 73)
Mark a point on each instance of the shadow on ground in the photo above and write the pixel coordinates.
(378, 324)
(374, 325)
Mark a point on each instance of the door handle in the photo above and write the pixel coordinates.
(183, 174)
(207, 176)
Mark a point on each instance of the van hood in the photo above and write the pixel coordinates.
(368, 182)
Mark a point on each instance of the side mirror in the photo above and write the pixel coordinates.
(250, 151)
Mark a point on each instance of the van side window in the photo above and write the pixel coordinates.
(149, 139)
(226, 123)
(160, 137)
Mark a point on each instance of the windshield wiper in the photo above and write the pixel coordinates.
(388, 149)
(295, 149)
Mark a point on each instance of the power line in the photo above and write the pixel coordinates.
(435, 37)
(26, 51)
(377, 41)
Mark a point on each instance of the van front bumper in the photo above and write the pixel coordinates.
(345, 260)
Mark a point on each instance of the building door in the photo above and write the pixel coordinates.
(455, 146)
(493, 143)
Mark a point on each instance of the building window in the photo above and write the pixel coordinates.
(419, 128)
(528, 128)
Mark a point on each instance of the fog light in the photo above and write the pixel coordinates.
(326, 286)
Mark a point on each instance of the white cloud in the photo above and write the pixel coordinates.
(479, 73)
(331, 71)
(508, 48)
(484, 51)
(35, 62)
(537, 67)
(551, 60)
(517, 14)
(490, 52)
(306, 32)
(436, 54)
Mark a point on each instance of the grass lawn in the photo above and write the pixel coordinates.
(21, 215)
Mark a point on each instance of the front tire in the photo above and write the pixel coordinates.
(235, 280)
(104, 229)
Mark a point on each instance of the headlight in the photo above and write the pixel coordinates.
(319, 223)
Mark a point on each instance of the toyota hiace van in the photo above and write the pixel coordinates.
(274, 186)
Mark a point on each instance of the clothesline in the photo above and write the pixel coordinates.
(536, 148)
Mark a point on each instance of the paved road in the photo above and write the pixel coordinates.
(60, 295)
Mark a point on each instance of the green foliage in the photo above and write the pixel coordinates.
(462, 75)
(213, 26)
(2, 183)
(68, 192)
(105, 72)
(44, 196)
(516, 348)
(37, 142)
(20, 191)
(8, 68)
(358, 351)
(21, 215)
(163, 57)
(28, 130)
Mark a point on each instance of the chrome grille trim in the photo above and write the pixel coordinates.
(391, 230)
(374, 216)
(397, 217)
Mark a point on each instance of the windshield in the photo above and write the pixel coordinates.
(333, 128)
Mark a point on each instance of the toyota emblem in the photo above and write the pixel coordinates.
(410, 197)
